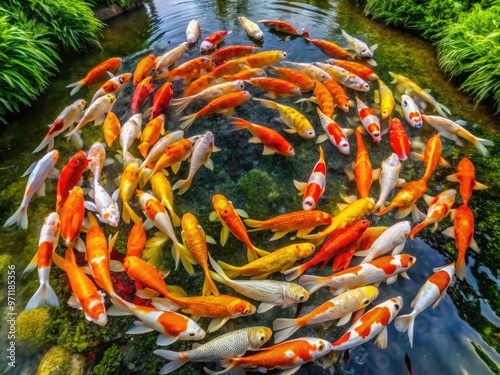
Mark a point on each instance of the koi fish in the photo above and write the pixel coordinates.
(361, 48)
(97, 158)
(97, 74)
(398, 139)
(338, 94)
(162, 190)
(112, 86)
(340, 307)
(373, 323)
(193, 32)
(301, 221)
(38, 171)
(451, 130)
(105, 206)
(330, 48)
(251, 28)
(385, 99)
(261, 59)
(225, 104)
(313, 189)
(431, 293)
(231, 222)
(159, 147)
(136, 241)
(85, 294)
(283, 27)
(141, 93)
(275, 87)
(229, 67)
(466, 176)
(189, 70)
(151, 133)
(334, 133)
(311, 70)
(162, 63)
(64, 120)
(232, 344)
(411, 112)
(95, 112)
(111, 128)
(432, 156)
(213, 40)
(270, 292)
(231, 52)
(341, 242)
(463, 233)
(70, 175)
(296, 121)
(301, 80)
(145, 274)
(345, 77)
(272, 140)
(381, 269)
(369, 119)
(161, 100)
(128, 184)
(143, 68)
(406, 198)
(244, 74)
(388, 176)
(323, 98)
(362, 169)
(439, 208)
(72, 215)
(279, 260)
(130, 131)
(47, 243)
(173, 155)
(358, 69)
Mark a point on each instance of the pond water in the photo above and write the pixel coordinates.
(460, 336)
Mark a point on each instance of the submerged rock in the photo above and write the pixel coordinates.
(59, 361)
(32, 328)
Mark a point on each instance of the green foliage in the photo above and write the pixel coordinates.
(32, 328)
(59, 361)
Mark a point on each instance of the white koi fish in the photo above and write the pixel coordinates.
(157, 150)
(193, 32)
(95, 112)
(251, 28)
(130, 131)
(361, 48)
(315, 72)
(105, 206)
(334, 133)
(162, 63)
(411, 112)
(388, 176)
(345, 77)
(97, 158)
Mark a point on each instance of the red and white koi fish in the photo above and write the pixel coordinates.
(439, 208)
(47, 243)
(64, 120)
(97, 74)
(251, 28)
(373, 323)
(105, 206)
(431, 293)
(466, 176)
(70, 176)
(398, 139)
(213, 40)
(388, 176)
(315, 187)
(161, 100)
(374, 272)
(369, 120)
(340, 307)
(334, 133)
(112, 86)
(283, 27)
(411, 112)
(130, 131)
(193, 32)
(38, 171)
(162, 63)
(141, 93)
(95, 112)
(72, 215)
(361, 48)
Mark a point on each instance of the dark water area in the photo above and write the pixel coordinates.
(460, 336)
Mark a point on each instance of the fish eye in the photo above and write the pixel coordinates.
(262, 338)
(285, 54)
(411, 259)
(245, 312)
(396, 306)
(321, 347)
(121, 79)
(301, 298)
(366, 301)
(363, 50)
(191, 334)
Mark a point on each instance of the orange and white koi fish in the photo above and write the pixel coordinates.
(231, 52)
(273, 141)
(261, 59)
(296, 121)
(112, 86)
(130, 131)
(302, 80)
(411, 112)
(72, 215)
(340, 307)
(385, 99)
(162, 63)
(128, 184)
(162, 190)
(406, 198)
(232, 344)
(159, 147)
(344, 77)
(38, 171)
(373, 323)
(244, 74)
(224, 104)
(95, 112)
(173, 155)
(189, 70)
(271, 293)
(85, 294)
(231, 222)
(432, 156)
(172, 326)
(338, 94)
(388, 176)
(97, 158)
(136, 240)
(105, 206)
(111, 128)
(213, 40)
(358, 69)
(151, 133)
(97, 74)
(283, 27)
(251, 28)
(141, 93)
(439, 208)
(275, 87)
(288, 356)
(47, 243)
(398, 139)
(369, 119)
(323, 98)
(381, 269)
(361, 48)
(301, 221)
(431, 293)
(362, 170)
(334, 133)
(313, 189)
(463, 233)
(193, 31)
(330, 48)
(228, 67)
(466, 176)
(161, 100)
(154, 211)
(70, 176)
(143, 68)
(64, 120)
(311, 70)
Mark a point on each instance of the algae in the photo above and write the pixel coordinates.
(59, 361)
(32, 328)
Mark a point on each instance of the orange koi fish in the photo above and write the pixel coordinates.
(85, 293)
(432, 156)
(439, 208)
(173, 155)
(385, 98)
(373, 323)
(136, 241)
(275, 87)
(72, 215)
(338, 94)
(112, 86)
(362, 168)
(311, 70)
(298, 78)
(463, 233)
(406, 198)
(213, 40)
(38, 171)
(159, 147)
(431, 293)
(343, 241)
(340, 307)
(369, 119)
(193, 31)
(334, 133)
(261, 59)
(283, 27)
(70, 175)
(360, 70)
(97, 74)
(313, 189)
(189, 70)
(411, 112)
(151, 133)
(145, 274)
(47, 242)
(330, 48)
(224, 104)
(301, 221)
(111, 128)
(273, 141)
(143, 68)
(141, 93)
(229, 67)
(128, 184)
(323, 98)
(161, 100)
(398, 139)
(231, 222)
(251, 28)
(162, 190)
(245, 74)
(231, 52)
(194, 238)
(466, 176)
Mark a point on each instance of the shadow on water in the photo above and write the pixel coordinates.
(458, 337)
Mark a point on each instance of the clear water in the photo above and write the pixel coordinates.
(458, 337)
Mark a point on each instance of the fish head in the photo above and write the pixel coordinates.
(192, 332)
(289, 151)
(344, 147)
(303, 250)
(239, 84)
(81, 104)
(258, 336)
(295, 294)
(221, 204)
(396, 124)
(309, 203)
(374, 130)
(242, 308)
(395, 305)
(308, 133)
(344, 107)
(392, 161)
(52, 219)
(407, 260)
(206, 46)
(111, 98)
(283, 55)
(317, 348)
(111, 215)
(370, 293)
(259, 72)
(246, 95)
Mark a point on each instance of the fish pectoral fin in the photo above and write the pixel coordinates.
(441, 296)
(80, 245)
(304, 232)
(265, 306)
(323, 137)
(382, 339)
(405, 275)
(139, 328)
(242, 213)
(277, 236)
(99, 120)
(301, 186)
(348, 198)
(74, 303)
(403, 212)
(417, 156)
(417, 215)
(217, 323)
(209, 164)
(344, 319)
(261, 277)
(291, 131)
(450, 232)
(391, 279)
(372, 62)
(175, 167)
(375, 174)
(268, 151)
(473, 245)
(428, 199)
(213, 216)
(398, 249)
(342, 206)
(148, 224)
(452, 178)
(443, 162)
(164, 339)
(224, 234)
(401, 182)
(210, 239)
(479, 186)
(41, 190)
(254, 140)
(290, 371)
(90, 206)
(116, 266)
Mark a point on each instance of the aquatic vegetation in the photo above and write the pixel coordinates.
(59, 361)
(32, 328)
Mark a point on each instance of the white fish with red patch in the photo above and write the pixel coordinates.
(411, 112)
(334, 133)
(431, 293)
(315, 187)
(388, 176)
(369, 119)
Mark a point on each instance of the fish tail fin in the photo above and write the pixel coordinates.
(480, 143)
(176, 220)
(311, 283)
(181, 252)
(187, 121)
(128, 214)
(385, 210)
(143, 148)
(176, 360)
(219, 274)
(20, 218)
(284, 328)
(444, 108)
(405, 323)
(231, 271)
(182, 185)
(267, 103)
(44, 296)
(153, 249)
(209, 286)
(417, 229)
(42, 144)
(180, 104)
(460, 268)
(293, 273)
(239, 123)
(257, 253)
(76, 86)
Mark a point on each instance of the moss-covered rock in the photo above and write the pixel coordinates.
(59, 361)
(260, 191)
(32, 328)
